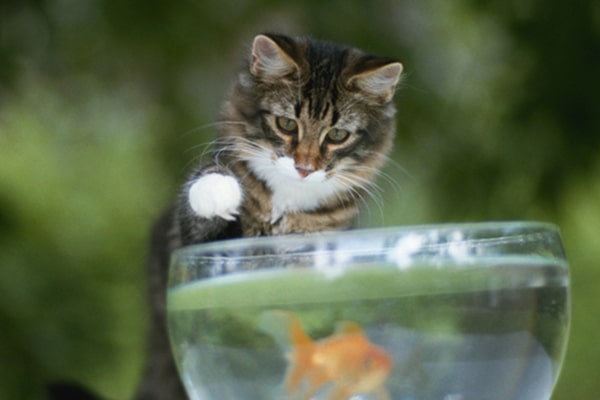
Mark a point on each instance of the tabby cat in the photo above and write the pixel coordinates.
(302, 135)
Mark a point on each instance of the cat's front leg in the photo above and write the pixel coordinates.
(215, 195)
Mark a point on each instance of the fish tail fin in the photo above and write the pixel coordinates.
(300, 356)
(297, 335)
(286, 328)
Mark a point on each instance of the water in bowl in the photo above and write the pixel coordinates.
(479, 332)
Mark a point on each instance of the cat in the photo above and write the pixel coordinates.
(302, 135)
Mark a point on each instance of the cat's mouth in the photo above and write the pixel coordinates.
(303, 173)
(283, 170)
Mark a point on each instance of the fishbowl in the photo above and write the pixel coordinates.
(449, 312)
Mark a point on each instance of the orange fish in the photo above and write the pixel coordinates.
(338, 366)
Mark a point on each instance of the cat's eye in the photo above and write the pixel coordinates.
(287, 125)
(336, 135)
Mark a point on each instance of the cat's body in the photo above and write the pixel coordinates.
(303, 133)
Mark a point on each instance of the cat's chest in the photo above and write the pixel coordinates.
(294, 198)
(254, 225)
(279, 213)
(289, 210)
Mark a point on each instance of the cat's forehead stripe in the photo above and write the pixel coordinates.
(325, 64)
(298, 109)
(335, 116)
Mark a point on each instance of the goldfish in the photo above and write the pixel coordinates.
(335, 367)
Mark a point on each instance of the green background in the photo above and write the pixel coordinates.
(104, 106)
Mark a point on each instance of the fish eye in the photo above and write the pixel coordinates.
(287, 125)
(336, 135)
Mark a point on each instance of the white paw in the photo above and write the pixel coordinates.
(215, 195)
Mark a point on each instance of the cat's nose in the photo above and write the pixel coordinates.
(304, 171)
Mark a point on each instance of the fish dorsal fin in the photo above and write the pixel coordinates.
(285, 327)
(348, 327)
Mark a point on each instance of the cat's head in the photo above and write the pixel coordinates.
(312, 112)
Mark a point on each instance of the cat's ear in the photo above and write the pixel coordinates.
(269, 60)
(379, 81)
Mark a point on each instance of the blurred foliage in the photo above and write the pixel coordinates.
(104, 105)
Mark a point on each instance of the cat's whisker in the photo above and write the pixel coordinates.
(347, 189)
(210, 125)
(357, 185)
(356, 170)
(206, 148)
(371, 187)
(216, 143)
(376, 172)
(396, 165)
(359, 181)
(202, 145)
(195, 130)
(213, 144)
(231, 122)
(362, 200)
(239, 145)
(251, 151)
(385, 176)
(221, 123)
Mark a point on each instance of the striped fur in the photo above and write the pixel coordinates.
(304, 131)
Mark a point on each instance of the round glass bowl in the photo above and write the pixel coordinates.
(449, 312)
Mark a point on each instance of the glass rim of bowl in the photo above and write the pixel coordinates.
(420, 258)
(435, 236)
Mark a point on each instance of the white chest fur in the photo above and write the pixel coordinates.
(291, 192)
